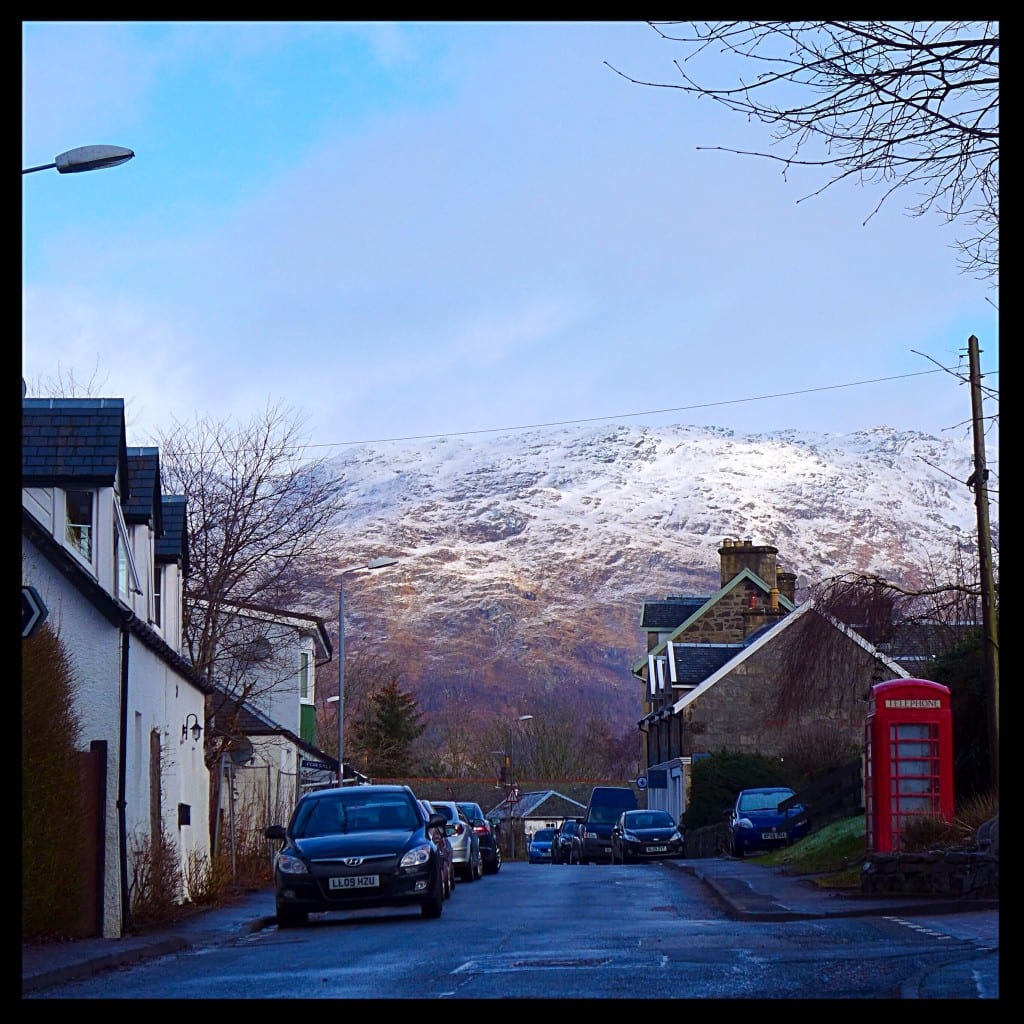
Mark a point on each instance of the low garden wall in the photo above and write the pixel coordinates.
(969, 874)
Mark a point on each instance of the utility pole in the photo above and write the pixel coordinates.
(988, 592)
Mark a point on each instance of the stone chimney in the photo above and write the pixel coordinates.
(737, 556)
(786, 582)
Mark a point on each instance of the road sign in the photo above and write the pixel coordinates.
(641, 782)
(33, 611)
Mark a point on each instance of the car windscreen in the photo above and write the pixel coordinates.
(331, 815)
(649, 819)
(763, 801)
(544, 835)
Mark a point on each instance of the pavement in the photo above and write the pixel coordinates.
(747, 891)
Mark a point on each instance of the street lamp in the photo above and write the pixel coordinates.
(512, 793)
(511, 748)
(86, 158)
(376, 563)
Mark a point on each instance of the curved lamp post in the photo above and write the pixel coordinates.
(376, 563)
(86, 158)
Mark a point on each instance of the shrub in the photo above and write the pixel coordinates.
(930, 832)
(155, 885)
(54, 842)
(207, 880)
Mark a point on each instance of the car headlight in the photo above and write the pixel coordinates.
(630, 836)
(290, 865)
(744, 823)
(676, 837)
(416, 856)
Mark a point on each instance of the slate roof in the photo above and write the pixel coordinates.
(143, 502)
(172, 544)
(544, 803)
(73, 441)
(670, 613)
(695, 662)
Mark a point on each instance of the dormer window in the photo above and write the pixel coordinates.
(79, 522)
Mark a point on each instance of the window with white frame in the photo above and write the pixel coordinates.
(79, 514)
(303, 676)
(158, 595)
(120, 563)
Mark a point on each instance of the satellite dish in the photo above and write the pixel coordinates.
(239, 749)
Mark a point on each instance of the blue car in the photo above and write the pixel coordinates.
(540, 846)
(756, 823)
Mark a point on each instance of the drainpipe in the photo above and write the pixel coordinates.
(122, 773)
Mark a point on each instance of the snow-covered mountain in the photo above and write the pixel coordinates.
(525, 557)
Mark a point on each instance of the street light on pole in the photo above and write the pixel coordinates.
(511, 747)
(376, 563)
(512, 793)
(85, 158)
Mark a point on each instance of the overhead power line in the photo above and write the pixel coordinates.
(633, 415)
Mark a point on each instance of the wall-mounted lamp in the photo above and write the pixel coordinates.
(197, 729)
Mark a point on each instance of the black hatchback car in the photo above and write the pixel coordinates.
(646, 835)
(357, 847)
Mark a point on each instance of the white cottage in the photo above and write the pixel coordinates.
(108, 555)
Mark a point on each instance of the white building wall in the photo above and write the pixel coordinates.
(160, 700)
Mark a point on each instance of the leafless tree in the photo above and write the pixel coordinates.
(927, 616)
(258, 514)
(909, 105)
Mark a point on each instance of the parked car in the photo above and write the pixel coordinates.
(490, 852)
(465, 842)
(603, 810)
(646, 835)
(756, 823)
(562, 844)
(444, 844)
(540, 846)
(357, 847)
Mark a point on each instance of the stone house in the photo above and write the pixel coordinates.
(713, 665)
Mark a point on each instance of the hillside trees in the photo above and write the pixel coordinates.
(908, 105)
(258, 516)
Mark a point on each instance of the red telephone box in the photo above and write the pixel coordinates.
(908, 753)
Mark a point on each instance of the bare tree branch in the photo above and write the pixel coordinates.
(908, 105)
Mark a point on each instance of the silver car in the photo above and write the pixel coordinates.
(465, 842)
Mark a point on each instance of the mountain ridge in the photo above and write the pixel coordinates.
(525, 558)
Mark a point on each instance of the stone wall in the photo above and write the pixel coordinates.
(969, 874)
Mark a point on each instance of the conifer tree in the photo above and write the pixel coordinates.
(384, 733)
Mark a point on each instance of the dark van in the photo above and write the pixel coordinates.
(606, 804)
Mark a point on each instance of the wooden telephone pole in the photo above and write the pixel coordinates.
(988, 591)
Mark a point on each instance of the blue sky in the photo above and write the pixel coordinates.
(415, 229)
